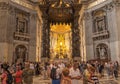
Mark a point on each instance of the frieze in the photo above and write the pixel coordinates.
(4, 6)
(7, 7)
(110, 6)
(117, 3)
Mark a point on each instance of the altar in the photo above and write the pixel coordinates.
(60, 41)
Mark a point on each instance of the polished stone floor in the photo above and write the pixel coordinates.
(104, 80)
(40, 80)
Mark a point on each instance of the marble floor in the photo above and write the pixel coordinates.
(105, 80)
(40, 80)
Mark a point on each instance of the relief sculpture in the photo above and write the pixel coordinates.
(102, 51)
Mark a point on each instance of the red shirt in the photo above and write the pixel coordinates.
(4, 78)
(18, 77)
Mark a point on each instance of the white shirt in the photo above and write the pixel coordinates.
(58, 72)
(31, 66)
(74, 73)
(61, 66)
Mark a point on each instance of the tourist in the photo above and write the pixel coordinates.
(37, 69)
(82, 67)
(116, 68)
(65, 77)
(87, 75)
(9, 77)
(28, 74)
(0, 68)
(32, 66)
(5, 65)
(55, 74)
(48, 70)
(111, 69)
(75, 74)
(4, 76)
(18, 75)
(101, 68)
(107, 67)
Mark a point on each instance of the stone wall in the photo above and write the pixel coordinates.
(6, 31)
(109, 38)
(9, 38)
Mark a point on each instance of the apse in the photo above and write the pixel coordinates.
(60, 41)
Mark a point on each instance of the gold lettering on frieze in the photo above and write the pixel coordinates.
(20, 2)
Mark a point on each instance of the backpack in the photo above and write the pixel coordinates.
(9, 78)
(53, 73)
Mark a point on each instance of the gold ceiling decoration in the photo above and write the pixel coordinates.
(60, 28)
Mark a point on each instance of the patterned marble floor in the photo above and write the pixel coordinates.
(39, 80)
(109, 82)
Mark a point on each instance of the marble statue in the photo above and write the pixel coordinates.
(102, 52)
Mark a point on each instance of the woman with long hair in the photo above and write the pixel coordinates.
(88, 72)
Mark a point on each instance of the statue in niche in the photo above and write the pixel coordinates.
(102, 52)
(21, 54)
(101, 25)
(21, 26)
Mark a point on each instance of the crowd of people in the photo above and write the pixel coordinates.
(59, 72)
(88, 72)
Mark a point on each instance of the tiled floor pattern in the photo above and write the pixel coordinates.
(40, 80)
